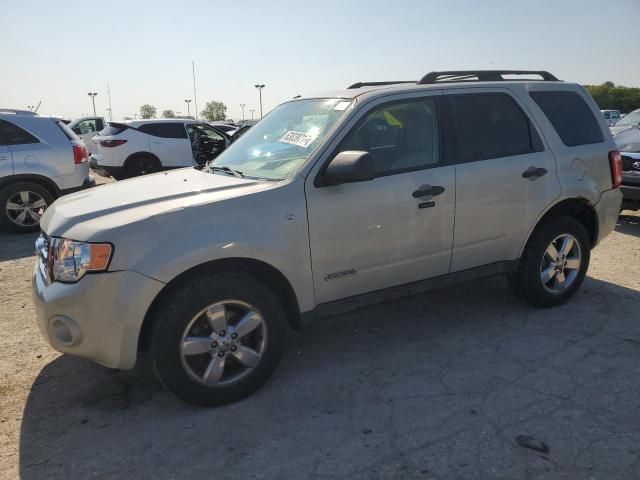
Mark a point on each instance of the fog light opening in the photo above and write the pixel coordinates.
(66, 331)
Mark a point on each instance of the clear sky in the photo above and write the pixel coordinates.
(58, 51)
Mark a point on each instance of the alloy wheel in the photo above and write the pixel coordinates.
(560, 263)
(25, 208)
(223, 343)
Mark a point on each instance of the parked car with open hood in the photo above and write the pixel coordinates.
(330, 203)
(140, 147)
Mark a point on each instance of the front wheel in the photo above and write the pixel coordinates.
(217, 339)
(554, 263)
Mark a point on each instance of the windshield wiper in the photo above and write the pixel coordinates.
(235, 173)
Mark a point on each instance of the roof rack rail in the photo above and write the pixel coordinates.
(17, 112)
(481, 76)
(378, 84)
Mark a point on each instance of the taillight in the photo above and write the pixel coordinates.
(80, 154)
(615, 163)
(112, 143)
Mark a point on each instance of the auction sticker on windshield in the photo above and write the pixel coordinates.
(300, 139)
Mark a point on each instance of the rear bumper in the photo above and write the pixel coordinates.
(88, 183)
(104, 170)
(607, 212)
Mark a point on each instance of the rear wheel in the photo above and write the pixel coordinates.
(217, 339)
(22, 204)
(141, 165)
(554, 263)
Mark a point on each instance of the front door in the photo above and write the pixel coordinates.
(396, 228)
(505, 176)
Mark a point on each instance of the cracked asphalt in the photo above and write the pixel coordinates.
(437, 386)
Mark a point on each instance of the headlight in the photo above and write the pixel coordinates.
(70, 260)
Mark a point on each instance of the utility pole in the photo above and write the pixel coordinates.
(252, 113)
(187, 101)
(109, 94)
(93, 100)
(260, 87)
(242, 105)
(195, 96)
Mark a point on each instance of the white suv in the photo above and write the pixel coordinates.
(140, 147)
(330, 203)
(40, 160)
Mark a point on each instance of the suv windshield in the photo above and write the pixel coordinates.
(283, 141)
(632, 119)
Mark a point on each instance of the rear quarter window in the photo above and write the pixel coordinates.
(11, 134)
(570, 116)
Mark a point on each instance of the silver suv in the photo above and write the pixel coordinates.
(40, 160)
(328, 204)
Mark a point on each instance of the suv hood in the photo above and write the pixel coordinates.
(628, 140)
(81, 215)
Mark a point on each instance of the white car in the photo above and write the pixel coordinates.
(139, 147)
(86, 128)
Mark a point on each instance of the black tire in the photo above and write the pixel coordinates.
(8, 218)
(526, 280)
(141, 165)
(182, 305)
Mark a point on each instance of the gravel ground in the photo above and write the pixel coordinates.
(436, 386)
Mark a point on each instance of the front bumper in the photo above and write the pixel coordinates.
(98, 318)
(105, 170)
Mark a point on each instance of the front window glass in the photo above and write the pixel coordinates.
(283, 141)
(632, 119)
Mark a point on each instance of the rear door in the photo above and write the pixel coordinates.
(505, 176)
(170, 143)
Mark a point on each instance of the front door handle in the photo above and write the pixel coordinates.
(428, 190)
(534, 172)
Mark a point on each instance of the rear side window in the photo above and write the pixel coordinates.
(11, 134)
(491, 125)
(164, 130)
(570, 116)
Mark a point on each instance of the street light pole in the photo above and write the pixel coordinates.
(242, 105)
(252, 113)
(260, 87)
(188, 110)
(93, 100)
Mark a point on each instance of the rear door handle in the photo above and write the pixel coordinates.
(428, 190)
(534, 172)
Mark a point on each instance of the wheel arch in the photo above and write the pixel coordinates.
(263, 272)
(141, 154)
(578, 208)
(43, 181)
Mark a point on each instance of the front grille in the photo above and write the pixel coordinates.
(627, 163)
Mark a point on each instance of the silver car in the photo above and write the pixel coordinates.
(330, 203)
(41, 159)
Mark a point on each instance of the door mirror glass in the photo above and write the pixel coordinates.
(348, 167)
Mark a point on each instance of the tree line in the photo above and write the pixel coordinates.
(610, 96)
(213, 111)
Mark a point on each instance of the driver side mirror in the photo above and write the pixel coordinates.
(349, 167)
